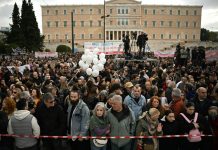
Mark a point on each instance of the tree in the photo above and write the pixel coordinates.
(15, 36)
(204, 34)
(29, 26)
(63, 49)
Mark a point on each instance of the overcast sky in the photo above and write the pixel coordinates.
(209, 12)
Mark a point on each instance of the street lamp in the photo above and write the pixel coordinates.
(72, 20)
(104, 22)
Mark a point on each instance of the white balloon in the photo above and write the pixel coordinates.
(102, 55)
(95, 73)
(84, 58)
(86, 51)
(89, 71)
(95, 51)
(103, 60)
(100, 67)
(85, 66)
(89, 59)
(81, 63)
(95, 67)
(95, 61)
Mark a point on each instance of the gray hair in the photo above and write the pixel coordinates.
(176, 92)
(117, 98)
(47, 96)
(97, 105)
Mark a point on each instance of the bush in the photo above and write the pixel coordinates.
(47, 50)
(63, 49)
(5, 48)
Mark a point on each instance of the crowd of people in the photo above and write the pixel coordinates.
(55, 97)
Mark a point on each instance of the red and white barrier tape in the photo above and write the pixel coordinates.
(103, 137)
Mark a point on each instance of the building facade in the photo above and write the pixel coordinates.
(96, 23)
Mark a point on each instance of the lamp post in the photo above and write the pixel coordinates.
(104, 17)
(72, 20)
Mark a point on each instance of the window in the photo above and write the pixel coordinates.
(74, 23)
(123, 22)
(162, 23)
(48, 36)
(127, 11)
(90, 11)
(82, 11)
(111, 11)
(118, 22)
(82, 36)
(179, 12)
(65, 12)
(111, 22)
(99, 11)
(193, 37)
(154, 23)
(146, 11)
(123, 11)
(74, 11)
(195, 12)
(170, 36)
(66, 36)
(170, 23)
(178, 24)
(134, 10)
(154, 11)
(91, 23)
(134, 22)
(82, 23)
(171, 12)
(127, 22)
(186, 36)
(99, 23)
(48, 24)
(118, 11)
(161, 36)
(145, 23)
(154, 36)
(65, 23)
(195, 24)
(99, 36)
(186, 24)
(91, 36)
(56, 24)
(47, 12)
(186, 12)
(57, 37)
(178, 36)
(56, 12)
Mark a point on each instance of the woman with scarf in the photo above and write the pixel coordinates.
(149, 125)
(99, 126)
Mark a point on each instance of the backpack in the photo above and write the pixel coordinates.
(194, 134)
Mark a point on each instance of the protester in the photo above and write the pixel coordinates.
(177, 104)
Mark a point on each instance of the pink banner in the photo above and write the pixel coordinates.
(167, 53)
(211, 55)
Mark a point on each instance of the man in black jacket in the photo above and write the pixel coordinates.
(52, 121)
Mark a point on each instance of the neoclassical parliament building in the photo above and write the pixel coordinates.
(114, 18)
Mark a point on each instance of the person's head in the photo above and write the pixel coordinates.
(99, 110)
(74, 96)
(35, 75)
(202, 93)
(155, 102)
(154, 114)
(148, 85)
(190, 108)
(213, 112)
(128, 86)
(176, 94)
(137, 91)
(117, 102)
(8, 105)
(116, 88)
(22, 104)
(48, 100)
(170, 116)
(35, 93)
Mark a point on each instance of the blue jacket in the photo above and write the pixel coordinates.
(135, 107)
(80, 119)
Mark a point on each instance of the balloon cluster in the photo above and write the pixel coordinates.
(92, 62)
